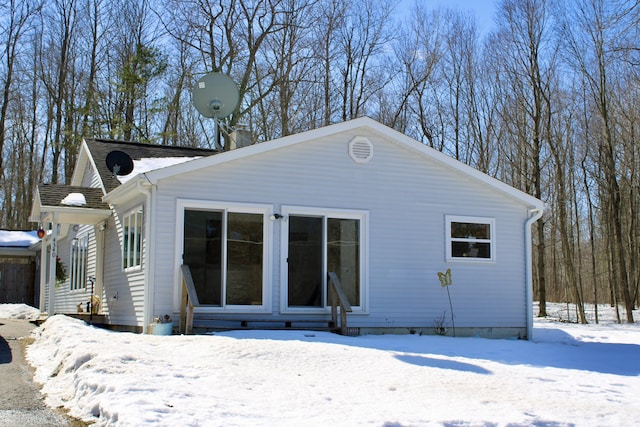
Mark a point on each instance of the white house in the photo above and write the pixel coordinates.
(260, 228)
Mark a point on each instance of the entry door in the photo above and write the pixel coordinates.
(318, 245)
(305, 261)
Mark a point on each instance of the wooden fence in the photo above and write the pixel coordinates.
(17, 282)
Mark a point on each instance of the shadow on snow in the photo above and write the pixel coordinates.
(555, 349)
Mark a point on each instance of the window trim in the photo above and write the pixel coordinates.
(471, 220)
(78, 263)
(363, 217)
(138, 241)
(256, 208)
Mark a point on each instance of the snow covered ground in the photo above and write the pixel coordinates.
(570, 374)
(18, 311)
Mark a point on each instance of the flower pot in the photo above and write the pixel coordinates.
(162, 328)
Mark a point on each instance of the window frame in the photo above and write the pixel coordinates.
(449, 240)
(325, 213)
(225, 207)
(137, 250)
(78, 263)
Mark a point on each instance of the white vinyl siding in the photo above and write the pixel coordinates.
(68, 299)
(123, 288)
(406, 197)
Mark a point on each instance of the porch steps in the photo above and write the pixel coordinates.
(222, 324)
(92, 319)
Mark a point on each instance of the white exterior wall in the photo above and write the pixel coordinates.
(122, 297)
(124, 290)
(67, 299)
(406, 196)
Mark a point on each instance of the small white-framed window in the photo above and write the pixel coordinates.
(132, 239)
(470, 238)
(78, 264)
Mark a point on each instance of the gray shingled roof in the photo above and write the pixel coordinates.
(52, 195)
(99, 149)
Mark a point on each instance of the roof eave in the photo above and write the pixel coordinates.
(125, 190)
(71, 215)
(453, 164)
(17, 251)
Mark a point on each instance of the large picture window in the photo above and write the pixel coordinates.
(318, 243)
(78, 264)
(470, 238)
(225, 252)
(132, 239)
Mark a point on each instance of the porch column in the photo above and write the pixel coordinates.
(44, 262)
(99, 283)
(53, 265)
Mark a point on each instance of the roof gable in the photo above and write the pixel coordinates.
(98, 150)
(54, 195)
(53, 202)
(349, 127)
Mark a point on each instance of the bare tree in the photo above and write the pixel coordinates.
(13, 26)
(229, 37)
(329, 20)
(56, 71)
(361, 39)
(590, 36)
(420, 51)
(523, 37)
(137, 62)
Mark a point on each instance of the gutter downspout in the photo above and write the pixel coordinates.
(536, 214)
(147, 314)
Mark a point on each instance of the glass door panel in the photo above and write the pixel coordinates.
(244, 259)
(343, 255)
(203, 253)
(305, 262)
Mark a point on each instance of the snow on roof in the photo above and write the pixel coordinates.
(148, 164)
(18, 238)
(74, 199)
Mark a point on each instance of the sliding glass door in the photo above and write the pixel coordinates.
(225, 253)
(318, 245)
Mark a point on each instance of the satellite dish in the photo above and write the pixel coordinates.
(119, 163)
(215, 95)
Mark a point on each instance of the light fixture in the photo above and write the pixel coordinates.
(277, 216)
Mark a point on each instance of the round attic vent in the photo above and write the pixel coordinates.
(360, 149)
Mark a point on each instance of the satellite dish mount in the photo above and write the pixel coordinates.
(216, 96)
